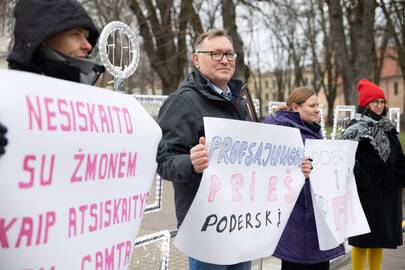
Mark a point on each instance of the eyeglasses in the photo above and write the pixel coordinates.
(218, 56)
(377, 102)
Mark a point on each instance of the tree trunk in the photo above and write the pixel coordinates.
(165, 38)
(353, 62)
(229, 23)
(363, 46)
(396, 12)
(329, 70)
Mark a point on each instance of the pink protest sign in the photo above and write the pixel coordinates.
(246, 194)
(76, 174)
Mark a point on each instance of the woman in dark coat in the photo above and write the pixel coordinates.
(298, 247)
(380, 176)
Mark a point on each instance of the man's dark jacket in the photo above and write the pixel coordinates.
(181, 121)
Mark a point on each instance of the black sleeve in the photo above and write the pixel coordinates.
(370, 168)
(3, 139)
(400, 166)
(180, 132)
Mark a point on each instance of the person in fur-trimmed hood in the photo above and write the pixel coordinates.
(380, 176)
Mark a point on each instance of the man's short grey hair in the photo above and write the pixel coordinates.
(210, 34)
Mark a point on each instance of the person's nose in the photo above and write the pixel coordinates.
(85, 45)
(224, 60)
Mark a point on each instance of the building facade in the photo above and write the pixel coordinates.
(267, 86)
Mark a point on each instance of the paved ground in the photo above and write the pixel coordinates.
(148, 257)
(394, 259)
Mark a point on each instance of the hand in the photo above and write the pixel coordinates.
(199, 156)
(3, 139)
(306, 167)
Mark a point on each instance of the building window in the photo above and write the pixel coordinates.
(266, 96)
(266, 84)
(396, 88)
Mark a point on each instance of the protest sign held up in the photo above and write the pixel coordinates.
(338, 212)
(75, 180)
(246, 194)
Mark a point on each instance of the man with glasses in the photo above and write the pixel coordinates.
(208, 90)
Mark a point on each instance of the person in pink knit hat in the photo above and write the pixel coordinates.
(380, 176)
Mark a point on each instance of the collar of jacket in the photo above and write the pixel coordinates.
(196, 81)
(294, 118)
(371, 114)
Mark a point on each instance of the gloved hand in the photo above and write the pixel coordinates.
(3, 139)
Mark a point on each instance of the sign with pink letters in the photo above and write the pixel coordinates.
(246, 194)
(338, 212)
(76, 174)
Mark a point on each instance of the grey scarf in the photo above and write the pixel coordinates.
(365, 127)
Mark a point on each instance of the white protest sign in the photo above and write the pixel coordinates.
(76, 174)
(338, 212)
(246, 194)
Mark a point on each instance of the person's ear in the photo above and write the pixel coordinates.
(294, 107)
(196, 60)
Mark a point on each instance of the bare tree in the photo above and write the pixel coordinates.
(229, 23)
(382, 37)
(163, 28)
(282, 73)
(285, 24)
(209, 11)
(104, 11)
(7, 19)
(145, 81)
(394, 13)
(354, 48)
(255, 76)
(312, 27)
(320, 54)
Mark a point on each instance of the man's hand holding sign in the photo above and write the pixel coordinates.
(246, 193)
(199, 156)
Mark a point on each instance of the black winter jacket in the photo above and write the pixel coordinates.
(38, 20)
(181, 121)
(379, 182)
